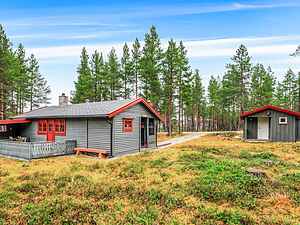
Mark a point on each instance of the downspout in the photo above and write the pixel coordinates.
(156, 128)
(140, 121)
(87, 133)
(110, 121)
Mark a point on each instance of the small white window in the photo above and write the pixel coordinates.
(283, 120)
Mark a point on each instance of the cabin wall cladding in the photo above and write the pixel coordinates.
(31, 131)
(91, 133)
(128, 141)
(278, 132)
(282, 132)
(297, 129)
(76, 129)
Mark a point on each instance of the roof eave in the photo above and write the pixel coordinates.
(63, 116)
(270, 107)
(133, 103)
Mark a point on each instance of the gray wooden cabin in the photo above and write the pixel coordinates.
(271, 123)
(119, 126)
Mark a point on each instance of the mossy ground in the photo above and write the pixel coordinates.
(204, 181)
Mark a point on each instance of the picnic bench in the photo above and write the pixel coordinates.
(102, 154)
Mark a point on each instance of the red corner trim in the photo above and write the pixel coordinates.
(133, 103)
(16, 121)
(272, 107)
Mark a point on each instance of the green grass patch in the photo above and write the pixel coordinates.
(160, 163)
(291, 185)
(225, 180)
(212, 215)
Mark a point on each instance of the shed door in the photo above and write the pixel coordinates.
(251, 127)
(263, 128)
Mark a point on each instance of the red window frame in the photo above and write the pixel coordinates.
(42, 127)
(59, 127)
(127, 125)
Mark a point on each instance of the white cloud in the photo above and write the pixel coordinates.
(91, 16)
(72, 50)
(188, 9)
(70, 36)
(257, 46)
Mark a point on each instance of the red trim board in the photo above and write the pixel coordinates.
(133, 103)
(272, 107)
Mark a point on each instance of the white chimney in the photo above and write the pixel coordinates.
(63, 99)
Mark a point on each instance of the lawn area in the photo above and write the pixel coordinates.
(204, 181)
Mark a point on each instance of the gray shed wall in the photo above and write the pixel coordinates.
(282, 132)
(277, 132)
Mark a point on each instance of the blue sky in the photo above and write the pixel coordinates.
(55, 31)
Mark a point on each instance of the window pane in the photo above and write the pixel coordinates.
(151, 126)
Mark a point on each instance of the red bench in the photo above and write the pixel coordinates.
(102, 154)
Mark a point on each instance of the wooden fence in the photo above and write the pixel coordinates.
(34, 150)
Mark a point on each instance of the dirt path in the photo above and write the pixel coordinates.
(179, 140)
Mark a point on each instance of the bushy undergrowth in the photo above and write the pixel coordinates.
(225, 180)
(197, 183)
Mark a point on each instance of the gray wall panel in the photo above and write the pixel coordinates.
(280, 132)
(76, 129)
(124, 142)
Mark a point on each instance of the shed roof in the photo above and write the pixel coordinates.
(91, 109)
(271, 107)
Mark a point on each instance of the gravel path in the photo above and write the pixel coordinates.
(179, 140)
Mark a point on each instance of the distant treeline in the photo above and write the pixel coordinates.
(21, 84)
(165, 78)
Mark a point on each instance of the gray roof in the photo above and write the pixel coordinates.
(99, 109)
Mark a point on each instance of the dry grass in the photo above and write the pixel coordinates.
(203, 181)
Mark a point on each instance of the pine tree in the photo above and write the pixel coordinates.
(198, 99)
(230, 106)
(262, 86)
(114, 78)
(297, 52)
(279, 96)
(183, 69)
(170, 73)
(98, 76)
(84, 83)
(289, 85)
(297, 103)
(240, 70)
(15, 79)
(38, 89)
(20, 79)
(127, 73)
(5, 61)
(188, 100)
(213, 102)
(136, 59)
(150, 67)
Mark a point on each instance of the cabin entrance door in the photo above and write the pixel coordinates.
(263, 128)
(51, 131)
(144, 135)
